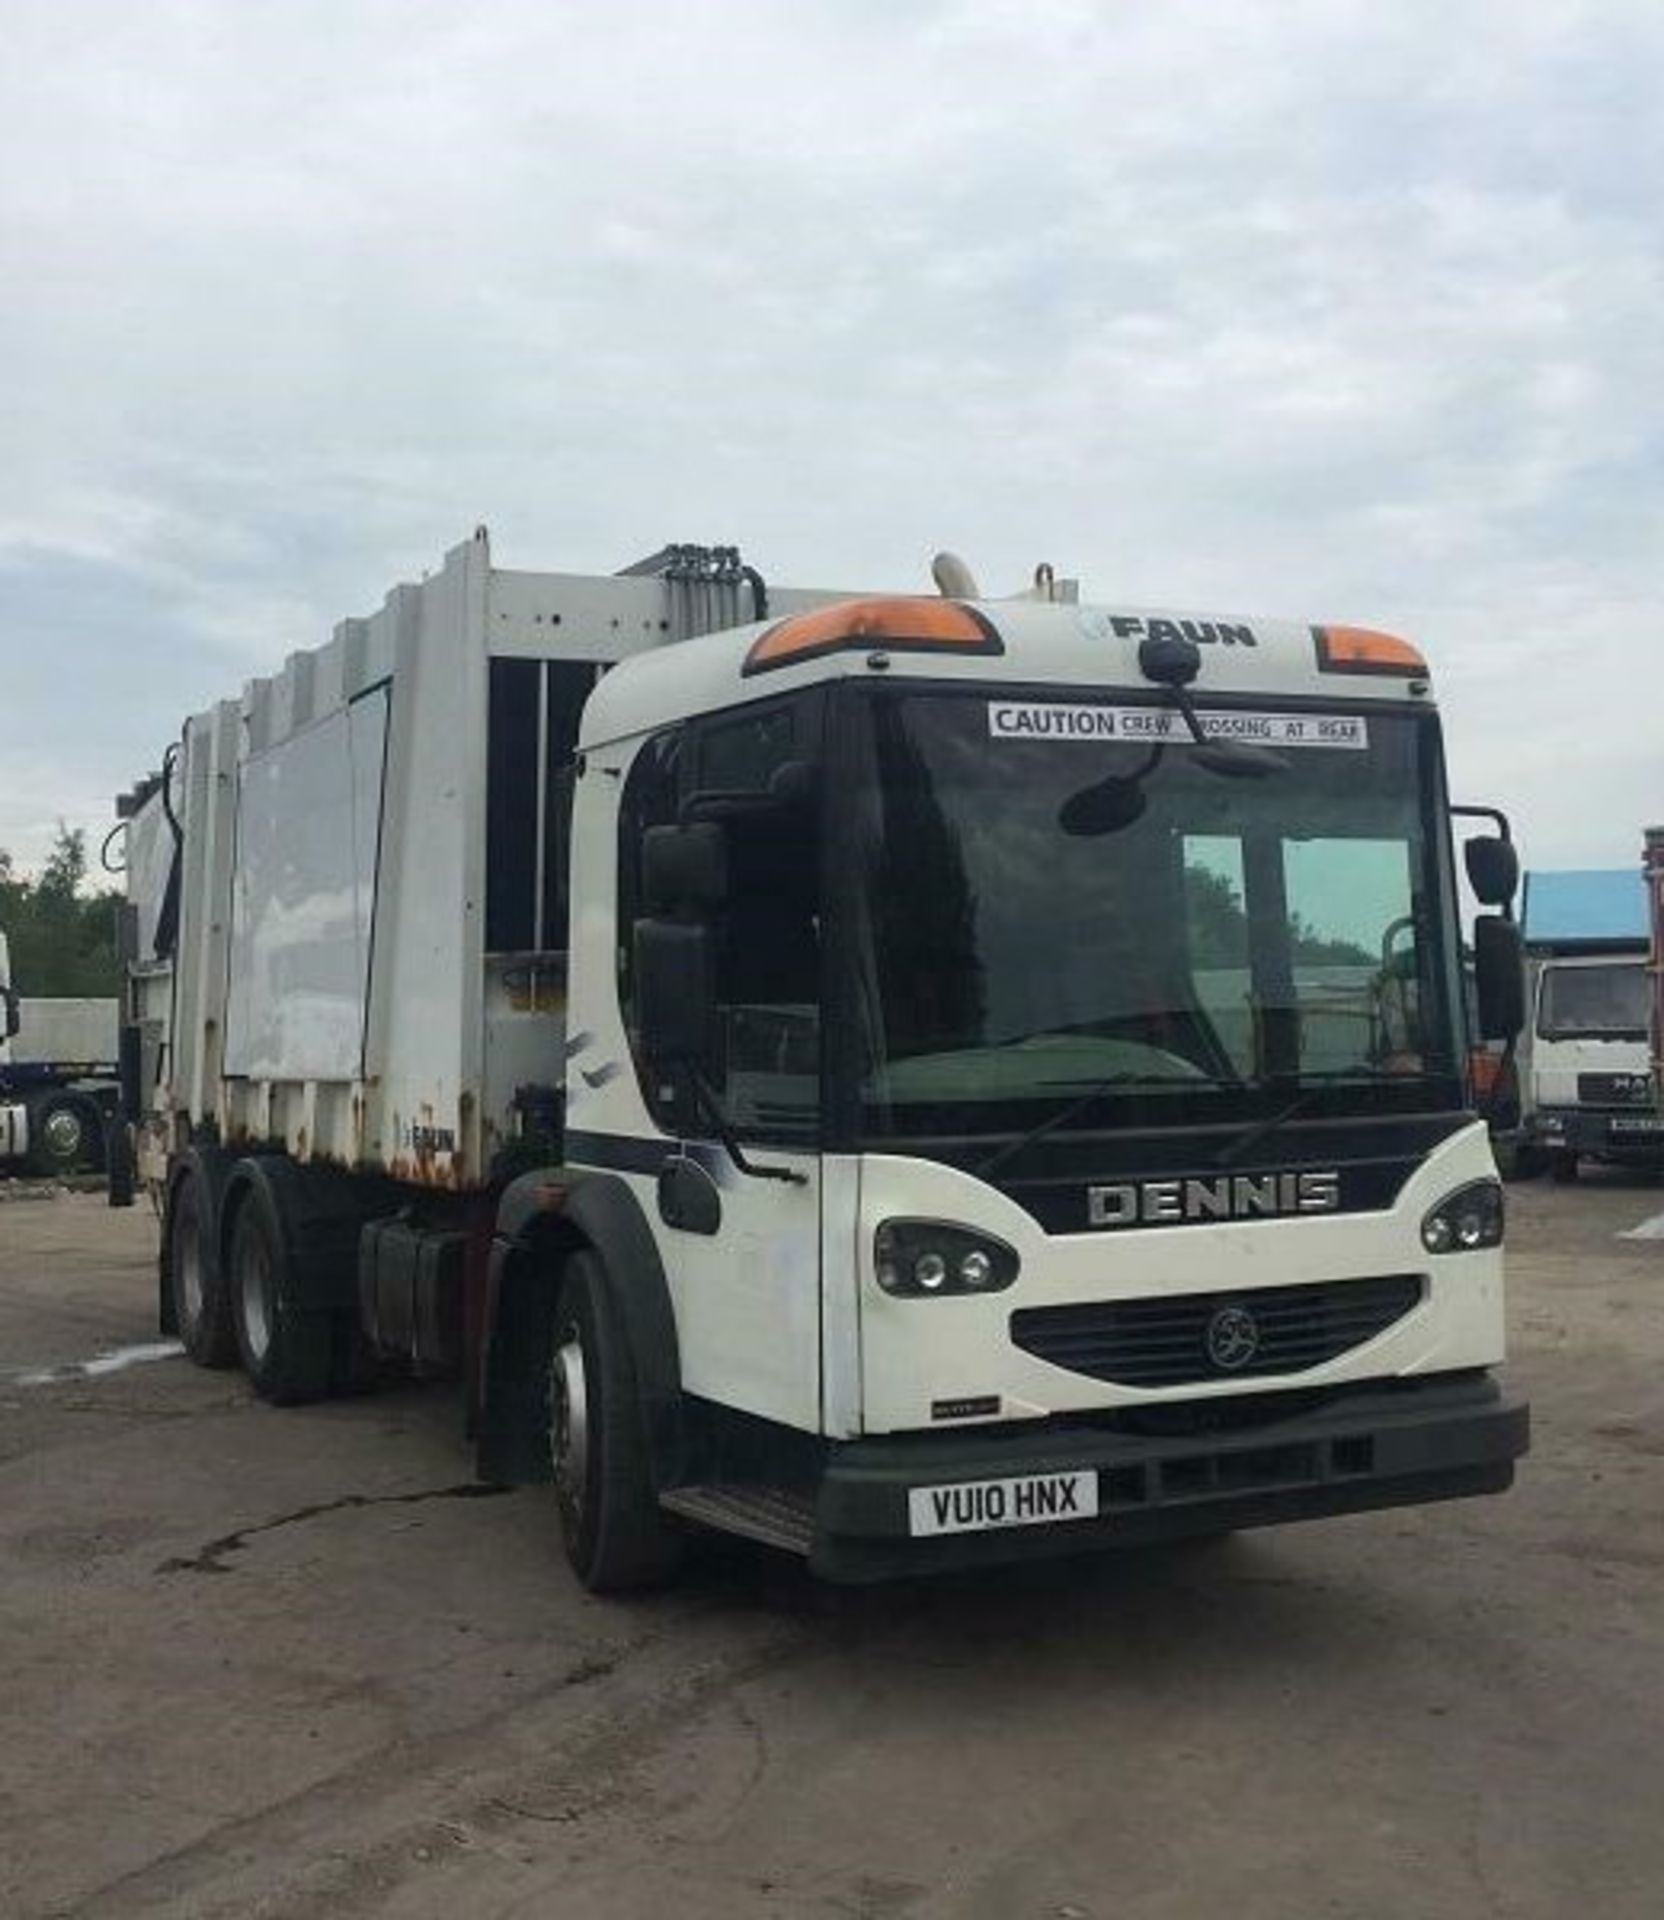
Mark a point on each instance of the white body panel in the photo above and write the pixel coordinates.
(329, 986)
(303, 898)
(79, 1033)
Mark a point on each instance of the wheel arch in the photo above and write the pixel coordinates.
(542, 1218)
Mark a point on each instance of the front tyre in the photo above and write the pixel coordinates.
(617, 1536)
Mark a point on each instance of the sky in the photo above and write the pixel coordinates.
(1342, 311)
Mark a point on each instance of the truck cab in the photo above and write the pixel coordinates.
(1043, 1093)
(1584, 1061)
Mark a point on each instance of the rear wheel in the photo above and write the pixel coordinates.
(617, 1535)
(200, 1308)
(287, 1347)
(119, 1171)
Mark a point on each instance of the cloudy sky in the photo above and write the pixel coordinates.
(1344, 310)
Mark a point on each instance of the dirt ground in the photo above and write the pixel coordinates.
(292, 1664)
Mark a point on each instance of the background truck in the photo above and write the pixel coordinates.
(57, 1079)
(1652, 869)
(913, 1080)
(1584, 1064)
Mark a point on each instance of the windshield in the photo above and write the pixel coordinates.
(1078, 906)
(1594, 1003)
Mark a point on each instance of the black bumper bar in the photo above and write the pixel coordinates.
(1400, 1445)
(1620, 1134)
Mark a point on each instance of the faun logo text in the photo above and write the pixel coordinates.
(1240, 1196)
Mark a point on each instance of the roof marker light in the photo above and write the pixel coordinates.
(899, 626)
(1359, 650)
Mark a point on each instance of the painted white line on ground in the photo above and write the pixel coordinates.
(1652, 1229)
(99, 1365)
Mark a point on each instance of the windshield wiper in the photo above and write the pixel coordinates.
(1314, 1084)
(1100, 1090)
(1235, 1149)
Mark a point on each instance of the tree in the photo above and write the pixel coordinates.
(62, 939)
(1219, 929)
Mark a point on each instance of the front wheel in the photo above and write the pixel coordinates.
(617, 1536)
(1563, 1167)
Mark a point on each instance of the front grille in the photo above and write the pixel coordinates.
(1614, 1089)
(1166, 1342)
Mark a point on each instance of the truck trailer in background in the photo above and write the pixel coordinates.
(917, 1081)
(57, 1079)
(1652, 869)
(1587, 1090)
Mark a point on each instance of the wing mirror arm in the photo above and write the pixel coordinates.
(706, 1098)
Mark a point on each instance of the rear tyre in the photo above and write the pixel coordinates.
(1563, 1168)
(617, 1535)
(287, 1348)
(119, 1169)
(63, 1135)
(201, 1311)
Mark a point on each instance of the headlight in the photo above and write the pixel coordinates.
(924, 1258)
(1465, 1220)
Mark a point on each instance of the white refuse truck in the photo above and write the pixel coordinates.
(1584, 1066)
(915, 1080)
(57, 1079)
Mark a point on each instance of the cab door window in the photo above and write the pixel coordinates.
(753, 773)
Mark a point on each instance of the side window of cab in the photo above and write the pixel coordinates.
(752, 773)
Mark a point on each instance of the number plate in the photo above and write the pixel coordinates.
(1029, 1500)
(1637, 1123)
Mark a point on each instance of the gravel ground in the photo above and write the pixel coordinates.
(292, 1664)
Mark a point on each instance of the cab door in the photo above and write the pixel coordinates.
(745, 1274)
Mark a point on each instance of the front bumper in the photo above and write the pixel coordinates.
(1392, 1444)
(1631, 1134)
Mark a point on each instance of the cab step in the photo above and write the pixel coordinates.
(777, 1519)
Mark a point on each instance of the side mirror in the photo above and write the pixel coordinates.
(675, 982)
(1493, 869)
(1107, 806)
(13, 1020)
(1499, 976)
(684, 867)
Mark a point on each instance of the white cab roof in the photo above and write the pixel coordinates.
(1070, 647)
